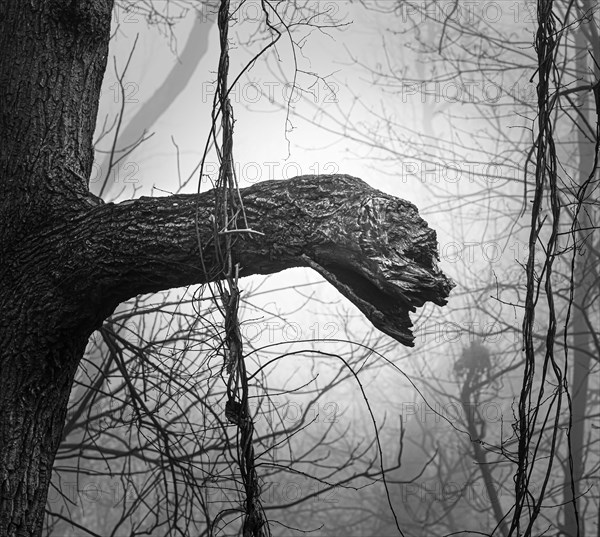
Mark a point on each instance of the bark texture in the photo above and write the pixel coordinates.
(67, 259)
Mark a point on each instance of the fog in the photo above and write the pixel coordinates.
(432, 102)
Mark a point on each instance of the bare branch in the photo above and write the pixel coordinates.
(374, 248)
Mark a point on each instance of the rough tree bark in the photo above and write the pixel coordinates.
(67, 259)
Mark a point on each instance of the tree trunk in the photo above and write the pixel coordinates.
(476, 362)
(33, 396)
(51, 68)
(584, 281)
(68, 259)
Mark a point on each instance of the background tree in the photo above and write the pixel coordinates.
(465, 74)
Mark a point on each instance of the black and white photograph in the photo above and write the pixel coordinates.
(299, 268)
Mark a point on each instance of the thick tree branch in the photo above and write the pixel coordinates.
(374, 248)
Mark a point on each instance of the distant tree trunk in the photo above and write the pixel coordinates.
(584, 282)
(475, 362)
(161, 99)
(68, 259)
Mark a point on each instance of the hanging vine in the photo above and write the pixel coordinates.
(229, 211)
(229, 222)
(540, 412)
